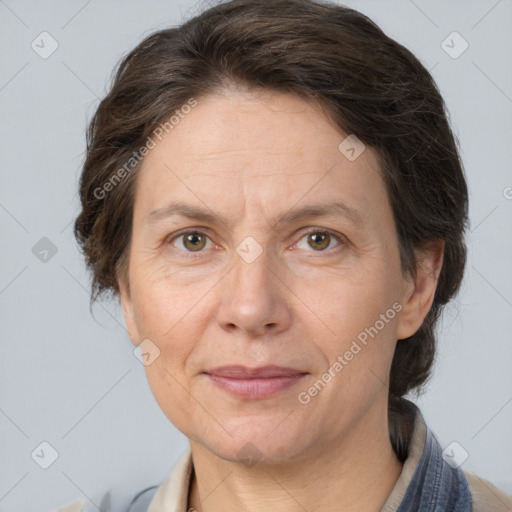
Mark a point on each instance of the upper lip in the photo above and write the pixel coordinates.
(244, 372)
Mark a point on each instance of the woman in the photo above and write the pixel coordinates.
(275, 194)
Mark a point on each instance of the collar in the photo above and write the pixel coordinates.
(427, 481)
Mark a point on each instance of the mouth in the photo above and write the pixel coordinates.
(254, 383)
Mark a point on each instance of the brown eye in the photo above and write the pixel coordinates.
(319, 241)
(193, 241)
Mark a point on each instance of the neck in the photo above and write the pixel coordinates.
(355, 473)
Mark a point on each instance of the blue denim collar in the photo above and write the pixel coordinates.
(435, 486)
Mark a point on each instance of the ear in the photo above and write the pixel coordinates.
(128, 311)
(419, 293)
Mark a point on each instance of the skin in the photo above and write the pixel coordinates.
(250, 158)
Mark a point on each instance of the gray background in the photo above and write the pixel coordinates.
(71, 379)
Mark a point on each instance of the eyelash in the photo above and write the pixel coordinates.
(191, 254)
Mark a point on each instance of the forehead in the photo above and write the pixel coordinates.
(256, 149)
(235, 124)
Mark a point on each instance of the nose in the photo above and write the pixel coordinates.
(254, 299)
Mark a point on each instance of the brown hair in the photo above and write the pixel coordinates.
(370, 85)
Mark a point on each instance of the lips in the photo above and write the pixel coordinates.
(254, 383)
(243, 372)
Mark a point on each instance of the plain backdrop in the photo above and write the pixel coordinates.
(69, 378)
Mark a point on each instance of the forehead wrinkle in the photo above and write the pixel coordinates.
(255, 175)
(207, 215)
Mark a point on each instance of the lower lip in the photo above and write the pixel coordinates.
(255, 388)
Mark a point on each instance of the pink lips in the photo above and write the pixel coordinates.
(254, 383)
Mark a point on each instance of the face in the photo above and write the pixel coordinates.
(257, 244)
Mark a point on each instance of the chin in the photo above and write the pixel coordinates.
(253, 441)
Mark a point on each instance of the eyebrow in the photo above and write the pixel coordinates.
(335, 209)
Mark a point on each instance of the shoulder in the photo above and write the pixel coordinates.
(486, 497)
(139, 503)
(169, 494)
(76, 506)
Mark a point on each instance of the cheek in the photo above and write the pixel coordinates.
(360, 310)
(164, 302)
(165, 316)
(345, 303)
(173, 318)
(169, 389)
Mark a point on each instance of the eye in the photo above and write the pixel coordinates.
(319, 240)
(191, 241)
